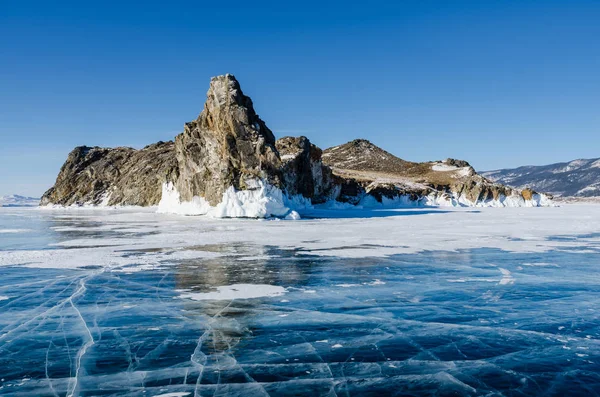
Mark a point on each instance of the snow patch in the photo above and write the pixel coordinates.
(507, 277)
(237, 291)
(11, 231)
(541, 264)
(174, 394)
(287, 157)
(443, 167)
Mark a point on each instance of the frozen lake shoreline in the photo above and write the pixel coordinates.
(455, 302)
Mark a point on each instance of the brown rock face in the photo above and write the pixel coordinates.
(94, 175)
(382, 174)
(527, 194)
(302, 169)
(227, 145)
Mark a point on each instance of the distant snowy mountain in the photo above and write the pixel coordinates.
(578, 178)
(14, 200)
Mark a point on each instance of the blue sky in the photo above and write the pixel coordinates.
(498, 83)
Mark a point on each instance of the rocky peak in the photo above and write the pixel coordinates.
(362, 155)
(457, 163)
(226, 146)
(227, 109)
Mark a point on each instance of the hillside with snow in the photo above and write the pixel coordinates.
(577, 178)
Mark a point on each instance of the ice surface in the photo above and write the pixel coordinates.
(414, 302)
(130, 237)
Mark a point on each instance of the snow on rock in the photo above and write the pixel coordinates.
(261, 200)
(446, 200)
(443, 167)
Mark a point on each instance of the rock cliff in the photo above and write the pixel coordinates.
(366, 169)
(226, 146)
(117, 176)
(303, 170)
(228, 163)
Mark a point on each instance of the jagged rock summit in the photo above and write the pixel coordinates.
(226, 146)
(227, 163)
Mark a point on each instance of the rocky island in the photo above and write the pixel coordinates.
(228, 163)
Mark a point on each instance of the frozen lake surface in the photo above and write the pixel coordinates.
(460, 302)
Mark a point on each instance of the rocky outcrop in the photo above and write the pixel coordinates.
(226, 146)
(117, 176)
(228, 163)
(303, 170)
(368, 169)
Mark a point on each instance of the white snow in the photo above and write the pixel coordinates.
(237, 291)
(293, 216)
(507, 277)
(443, 167)
(286, 157)
(174, 394)
(262, 200)
(541, 264)
(573, 165)
(592, 188)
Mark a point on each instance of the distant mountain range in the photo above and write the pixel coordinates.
(577, 178)
(14, 200)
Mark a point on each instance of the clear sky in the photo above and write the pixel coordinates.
(498, 83)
